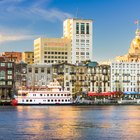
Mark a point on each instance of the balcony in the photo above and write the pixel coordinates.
(126, 74)
(60, 73)
(81, 73)
(126, 81)
(72, 80)
(72, 73)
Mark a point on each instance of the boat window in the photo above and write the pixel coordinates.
(54, 94)
(48, 100)
(22, 100)
(55, 100)
(40, 94)
(51, 94)
(30, 100)
(44, 95)
(61, 94)
(47, 94)
(23, 94)
(58, 94)
(62, 100)
(51, 100)
(26, 100)
(66, 100)
(58, 100)
(65, 95)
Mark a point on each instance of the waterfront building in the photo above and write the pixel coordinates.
(52, 50)
(75, 78)
(99, 78)
(82, 81)
(65, 73)
(15, 57)
(79, 31)
(28, 57)
(6, 79)
(20, 70)
(133, 54)
(39, 75)
(125, 76)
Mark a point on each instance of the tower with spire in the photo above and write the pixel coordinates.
(133, 54)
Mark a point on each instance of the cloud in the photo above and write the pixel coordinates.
(18, 16)
(13, 34)
(33, 11)
(50, 14)
(8, 38)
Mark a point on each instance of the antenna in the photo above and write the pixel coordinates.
(77, 13)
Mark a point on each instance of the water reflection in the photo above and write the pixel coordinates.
(70, 122)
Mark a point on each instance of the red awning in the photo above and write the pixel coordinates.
(101, 93)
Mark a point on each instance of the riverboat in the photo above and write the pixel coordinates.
(53, 94)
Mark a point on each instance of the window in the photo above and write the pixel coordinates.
(2, 83)
(82, 28)
(2, 64)
(87, 28)
(77, 40)
(2, 75)
(48, 71)
(9, 72)
(30, 69)
(82, 53)
(9, 83)
(42, 70)
(9, 76)
(36, 70)
(77, 28)
(9, 65)
(67, 83)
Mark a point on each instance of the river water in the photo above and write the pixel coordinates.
(70, 123)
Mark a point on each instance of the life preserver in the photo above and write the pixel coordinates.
(14, 102)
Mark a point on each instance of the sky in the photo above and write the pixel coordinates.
(22, 21)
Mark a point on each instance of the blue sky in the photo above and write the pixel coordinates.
(22, 21)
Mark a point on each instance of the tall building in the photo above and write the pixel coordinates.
(12, 56)
(28, 57)
(133, 54)
(52, 50)
(79, 31)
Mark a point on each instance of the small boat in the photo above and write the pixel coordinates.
(50, 95)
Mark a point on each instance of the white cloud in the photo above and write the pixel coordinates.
(34, 11)
(50, 14)
(8, 38)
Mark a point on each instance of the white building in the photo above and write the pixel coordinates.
(125, 76)
(39, 75)
(80, 33)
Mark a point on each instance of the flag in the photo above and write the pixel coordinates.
(136, 22)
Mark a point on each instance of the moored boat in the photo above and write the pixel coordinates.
(50, 95)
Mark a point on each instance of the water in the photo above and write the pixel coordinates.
(70, 123)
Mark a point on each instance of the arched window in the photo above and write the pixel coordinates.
(2, 74)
